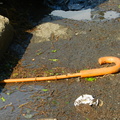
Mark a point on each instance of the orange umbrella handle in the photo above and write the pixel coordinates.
(83, 73)
(103, 71)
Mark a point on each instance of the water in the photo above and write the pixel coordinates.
(88, 14)
(76, 15)
(111, 15)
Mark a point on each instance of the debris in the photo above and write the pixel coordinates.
(85, 99)
(90, 79)
(33, 59)
(15, 74)
(54, 60)
(22, 105)
(28, 116)
(76, 33)
(8, 93)
(3, 99)
(53, 51)
(100, 103)
(4, 107)
(45, 90)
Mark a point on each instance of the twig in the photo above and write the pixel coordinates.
(4, 107)
(22, 105)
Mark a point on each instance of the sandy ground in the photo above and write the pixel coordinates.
(70, 47)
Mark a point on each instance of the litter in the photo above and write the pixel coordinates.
(85, 99)
(83, 73)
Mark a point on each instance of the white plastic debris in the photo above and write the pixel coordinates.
(86, 99)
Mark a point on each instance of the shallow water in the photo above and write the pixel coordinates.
(75, 15)
(111, 15)
(88, 14)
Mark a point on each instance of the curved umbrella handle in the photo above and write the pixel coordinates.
(105, 70)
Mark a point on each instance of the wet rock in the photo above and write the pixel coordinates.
(6, 34)
(72, 4)
(50, 31)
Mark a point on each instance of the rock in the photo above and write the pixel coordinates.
(50, 31)
(6, 34)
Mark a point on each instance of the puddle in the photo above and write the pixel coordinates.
(88, 14)
(18, 98)
(111, 15)
(14, 94)
(76, 15)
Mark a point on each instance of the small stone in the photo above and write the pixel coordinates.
(76, 33)
(100, 103)
(33, 59)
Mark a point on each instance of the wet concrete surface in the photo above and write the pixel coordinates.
(81, 49)
(56, 99)
(82, 43)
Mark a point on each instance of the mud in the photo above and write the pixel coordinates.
(76, 46)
